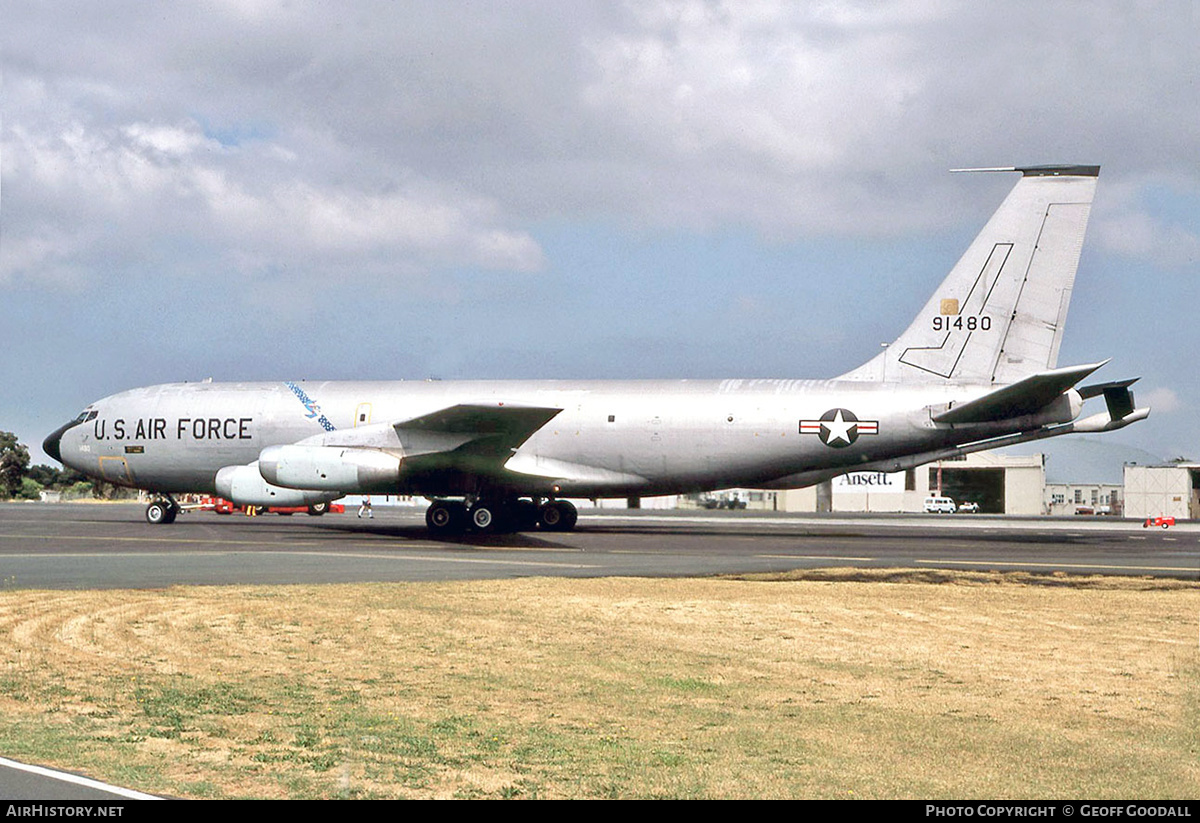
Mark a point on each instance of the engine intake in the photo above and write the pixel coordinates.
(330, 468)
(245, 486)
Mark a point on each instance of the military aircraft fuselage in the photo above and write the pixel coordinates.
(609, 439)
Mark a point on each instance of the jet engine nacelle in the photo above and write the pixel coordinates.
(330, 468)
(244, 485)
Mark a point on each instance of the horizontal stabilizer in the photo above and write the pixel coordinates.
(1073, 170)
(1117, 396)
(1024, 397)
(1097, 389)
(1121, 409)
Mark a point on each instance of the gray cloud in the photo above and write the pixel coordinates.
(435, 134)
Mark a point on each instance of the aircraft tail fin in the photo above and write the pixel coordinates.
(998, 316)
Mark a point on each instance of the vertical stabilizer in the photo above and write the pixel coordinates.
(998, 316)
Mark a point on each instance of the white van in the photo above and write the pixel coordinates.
(939, 505)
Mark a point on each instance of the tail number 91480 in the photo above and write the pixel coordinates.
(970, 323)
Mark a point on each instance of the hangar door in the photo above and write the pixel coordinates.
(982, 486)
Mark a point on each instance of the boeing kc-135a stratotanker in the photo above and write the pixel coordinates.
(977, 369)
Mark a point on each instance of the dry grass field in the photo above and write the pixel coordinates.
(836, 684)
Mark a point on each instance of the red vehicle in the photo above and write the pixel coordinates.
(223, 506)
(1165, 522)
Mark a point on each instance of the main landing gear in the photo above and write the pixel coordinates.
(161, 511)
(494, 516)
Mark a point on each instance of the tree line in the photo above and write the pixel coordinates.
(20, 481)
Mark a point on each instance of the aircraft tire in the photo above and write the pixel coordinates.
(446, 517)
(570, 516)
(524, 515)
(558, 516)
(160, 513)
(318, 509)
(500, 516)
(487, 517)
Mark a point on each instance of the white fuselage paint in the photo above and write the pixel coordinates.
(611, 439)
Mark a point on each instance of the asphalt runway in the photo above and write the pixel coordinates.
(77, 546)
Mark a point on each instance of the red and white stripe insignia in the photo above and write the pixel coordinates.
(857, 426)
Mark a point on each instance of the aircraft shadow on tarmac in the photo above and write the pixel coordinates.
(416, 532)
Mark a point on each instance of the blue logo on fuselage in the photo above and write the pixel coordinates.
(314, 411)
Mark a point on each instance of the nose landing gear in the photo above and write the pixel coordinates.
(161, 511)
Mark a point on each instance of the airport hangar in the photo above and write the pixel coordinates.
(1167, 489)
(998, 483)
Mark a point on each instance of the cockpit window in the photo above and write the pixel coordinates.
(86, 415)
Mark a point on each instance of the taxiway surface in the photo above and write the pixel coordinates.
(76, 546)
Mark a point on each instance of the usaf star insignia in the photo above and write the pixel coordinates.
(838, 428)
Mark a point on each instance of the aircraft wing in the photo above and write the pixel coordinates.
(1026, 396)
(485, 430)
(442, 452)
(467, 439)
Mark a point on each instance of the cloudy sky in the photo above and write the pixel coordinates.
(252, 189)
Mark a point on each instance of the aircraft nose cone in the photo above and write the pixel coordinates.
(52, 444)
